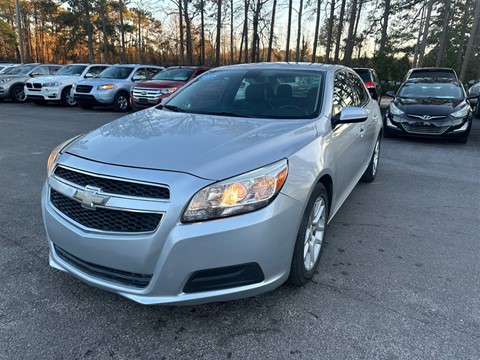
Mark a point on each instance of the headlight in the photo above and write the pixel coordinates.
(462, 112)
(4, 81)
(238, 195)
(395, 110)
(167, 91)
(105, 87)
(56, 152)
(52, 84)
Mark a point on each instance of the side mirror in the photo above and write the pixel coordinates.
(138, 78)
(471, 82)
(349, 115)
(88, 76)
(390, 93)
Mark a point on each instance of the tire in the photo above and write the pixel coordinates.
(463, 138)
(39, 102)
(85, 106)
(310, 238)
(121, 102)
(371, 171)
(477, 111)
(18, 94)
(67, 99)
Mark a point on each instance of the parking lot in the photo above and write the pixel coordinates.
(399, 277)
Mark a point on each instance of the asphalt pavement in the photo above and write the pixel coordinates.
(399, 277)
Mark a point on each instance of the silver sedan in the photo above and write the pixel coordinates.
(223, 192)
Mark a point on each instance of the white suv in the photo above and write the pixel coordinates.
(57, 87)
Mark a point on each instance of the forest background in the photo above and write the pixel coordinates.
(389, 35)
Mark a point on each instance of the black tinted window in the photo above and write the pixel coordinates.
(343, 93)
(360, 93)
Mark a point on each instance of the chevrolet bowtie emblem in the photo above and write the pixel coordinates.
(90, 197)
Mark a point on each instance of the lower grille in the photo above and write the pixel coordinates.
(83, 88)
(425, 129)
(105, 219)
(119, 276)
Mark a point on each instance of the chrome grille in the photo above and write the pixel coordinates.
(426, 129)
(120, 276)
(152, 94)
(105, 219)
(113, 186)
(83, 88)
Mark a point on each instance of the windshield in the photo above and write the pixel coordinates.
(431, 91)
(71, 70)
(266, 93)
(174, 74)
(19, 70)
(116, 72)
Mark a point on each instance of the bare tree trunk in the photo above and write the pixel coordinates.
(340, 30)
(426, 28)
(443, 36)
(386, 15)
(289, 25)
(231, 33)
(330, 32)
(139, 36)
(245, 30)
(474, 33)
(180, 25)
(122, 31)
(202, 32)
(419, 38)
(88, 24)
(219, 29)
(317, 30)
(299, 31)
(104, 31)
(188, 34)
(461, 47)
(272, 26)
(347, 59)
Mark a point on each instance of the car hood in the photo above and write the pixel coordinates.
(210, 147)
(429, 106)
(52, 78)
(98, 81)
(158, 84)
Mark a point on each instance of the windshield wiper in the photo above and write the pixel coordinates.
(173, 108)
(223, 113)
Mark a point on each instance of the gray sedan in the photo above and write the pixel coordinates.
(223, 192)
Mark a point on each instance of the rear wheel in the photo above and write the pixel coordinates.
(371, 172)
(310, 238)
(121, 102)
(17, 94)
(67, 98)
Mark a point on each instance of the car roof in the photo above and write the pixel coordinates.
(430, 80)
(284, 66)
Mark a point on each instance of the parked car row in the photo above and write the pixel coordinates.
(89, 85)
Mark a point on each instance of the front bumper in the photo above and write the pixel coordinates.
(44, 93)
(445, 127)
(168, 261)
(96, 97)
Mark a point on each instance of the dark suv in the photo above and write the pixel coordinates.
(371, 81)
(431, 72)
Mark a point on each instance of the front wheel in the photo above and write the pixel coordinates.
(67, 98)
(18, 94)
(310, 238)
(371, 172)
(121, 103)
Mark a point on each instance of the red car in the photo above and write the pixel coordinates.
(148, 93)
